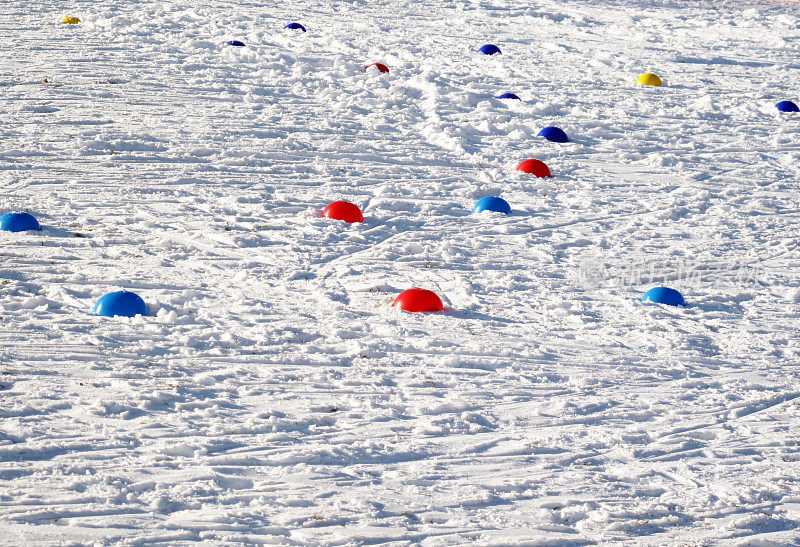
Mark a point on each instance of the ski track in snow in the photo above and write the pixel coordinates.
(274, 396)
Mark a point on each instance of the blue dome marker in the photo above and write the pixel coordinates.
(236, 43)
(787, 106)
(508, 96)
(124, 303)
(295, 26)
(664, 295)
(18, 222)
(492, 203)
(489, 49)
(553, 134)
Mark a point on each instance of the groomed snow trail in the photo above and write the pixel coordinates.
(274, 396)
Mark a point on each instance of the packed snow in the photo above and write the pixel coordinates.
(273, 395)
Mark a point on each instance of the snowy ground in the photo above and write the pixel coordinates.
(273, 395)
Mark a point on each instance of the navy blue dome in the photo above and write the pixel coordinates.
(553, 134)
(787, 106)
(489, 49)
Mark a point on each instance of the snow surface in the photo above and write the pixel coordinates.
(274, 396)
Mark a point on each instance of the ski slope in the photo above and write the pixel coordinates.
(274, 396)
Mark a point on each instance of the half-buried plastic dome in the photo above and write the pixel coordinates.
(492, 203)
(553, 134)
(122, 303)
(380, 66)
(535, 167)
(18, 222)
(648, 78)
(343, 210)
(664, 295)
(787, 106)
(489, 49)
(418, 300)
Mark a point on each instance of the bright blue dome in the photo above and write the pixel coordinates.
(295, 26)
(553, 134)
(489, 49)
(124, 303)
(491, 203)
(787, 106)
(18, 222)
(664, 295)
(508, 96)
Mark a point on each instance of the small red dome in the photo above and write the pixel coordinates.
(416, 300)
(381, 67)
(535, 167)
(343, 210)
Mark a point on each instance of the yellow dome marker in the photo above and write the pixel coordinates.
(71, 20)
(648, 78)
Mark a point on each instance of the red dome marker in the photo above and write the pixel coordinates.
(416, 300)
(535, 167)
(343, 210)
(381, 67)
